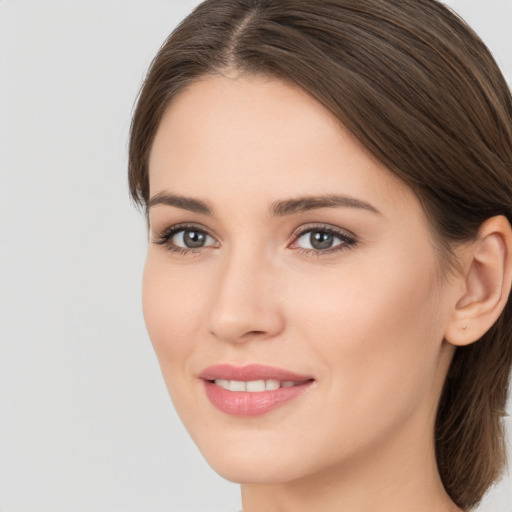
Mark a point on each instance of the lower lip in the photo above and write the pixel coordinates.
(244, 403)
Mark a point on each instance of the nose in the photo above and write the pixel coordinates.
(246, 300)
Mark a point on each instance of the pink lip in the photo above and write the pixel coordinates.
(250, 372)
(243, 403)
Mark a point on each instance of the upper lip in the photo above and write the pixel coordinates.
(250, 372)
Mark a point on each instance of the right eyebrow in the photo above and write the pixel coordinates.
(185, 203)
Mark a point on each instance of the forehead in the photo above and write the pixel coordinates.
(258, 139)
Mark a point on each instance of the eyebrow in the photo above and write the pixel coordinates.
(303, 204)
(185, 203)
(279, 208)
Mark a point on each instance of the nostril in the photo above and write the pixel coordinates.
(253, 335)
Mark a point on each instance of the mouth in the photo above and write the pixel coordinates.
(252, 390)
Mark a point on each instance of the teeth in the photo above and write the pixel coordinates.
(237, 385)
(222, 383)
(253, 386)
(272, 384)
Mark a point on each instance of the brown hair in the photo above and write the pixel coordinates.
(423, 94)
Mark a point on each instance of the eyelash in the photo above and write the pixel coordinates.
(348, 240)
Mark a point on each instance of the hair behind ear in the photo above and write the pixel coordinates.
(470, 435)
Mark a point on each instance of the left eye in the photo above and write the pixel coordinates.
(321, 240)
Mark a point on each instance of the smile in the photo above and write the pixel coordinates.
(252, 390)
(254, 386)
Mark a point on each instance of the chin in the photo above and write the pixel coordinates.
(256, 457)
(244, 470)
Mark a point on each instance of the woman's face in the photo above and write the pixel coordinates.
(277, 241)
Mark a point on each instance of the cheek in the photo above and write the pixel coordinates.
(172, 312)
(375, 327)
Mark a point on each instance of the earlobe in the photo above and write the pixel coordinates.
(487, 279)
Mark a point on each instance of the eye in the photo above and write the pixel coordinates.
(191, 239)
(184, 239)
(320, 240)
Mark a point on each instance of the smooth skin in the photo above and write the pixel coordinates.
(370, 314)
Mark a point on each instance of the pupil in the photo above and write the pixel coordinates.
(321, 240)
(194, 239)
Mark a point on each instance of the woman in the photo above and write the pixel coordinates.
(328, 187)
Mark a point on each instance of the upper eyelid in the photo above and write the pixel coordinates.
(323, 227)
(185, 226)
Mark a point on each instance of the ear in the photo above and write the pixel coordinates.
(486, 283)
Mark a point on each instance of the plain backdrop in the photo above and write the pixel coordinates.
(85, 421)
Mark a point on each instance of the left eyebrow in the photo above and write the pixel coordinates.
(303, 204)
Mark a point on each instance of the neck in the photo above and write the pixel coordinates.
(400, 476)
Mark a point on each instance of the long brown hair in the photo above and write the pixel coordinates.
(423, 94)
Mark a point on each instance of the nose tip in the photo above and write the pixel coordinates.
(235, 331)
(236, 319)
(245, 305)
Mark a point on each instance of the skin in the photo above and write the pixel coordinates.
(367, 322)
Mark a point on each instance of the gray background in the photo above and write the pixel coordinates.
(85, 421)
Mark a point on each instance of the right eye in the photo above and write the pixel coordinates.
(185, 239)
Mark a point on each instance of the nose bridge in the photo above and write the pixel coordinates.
(245, 303)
